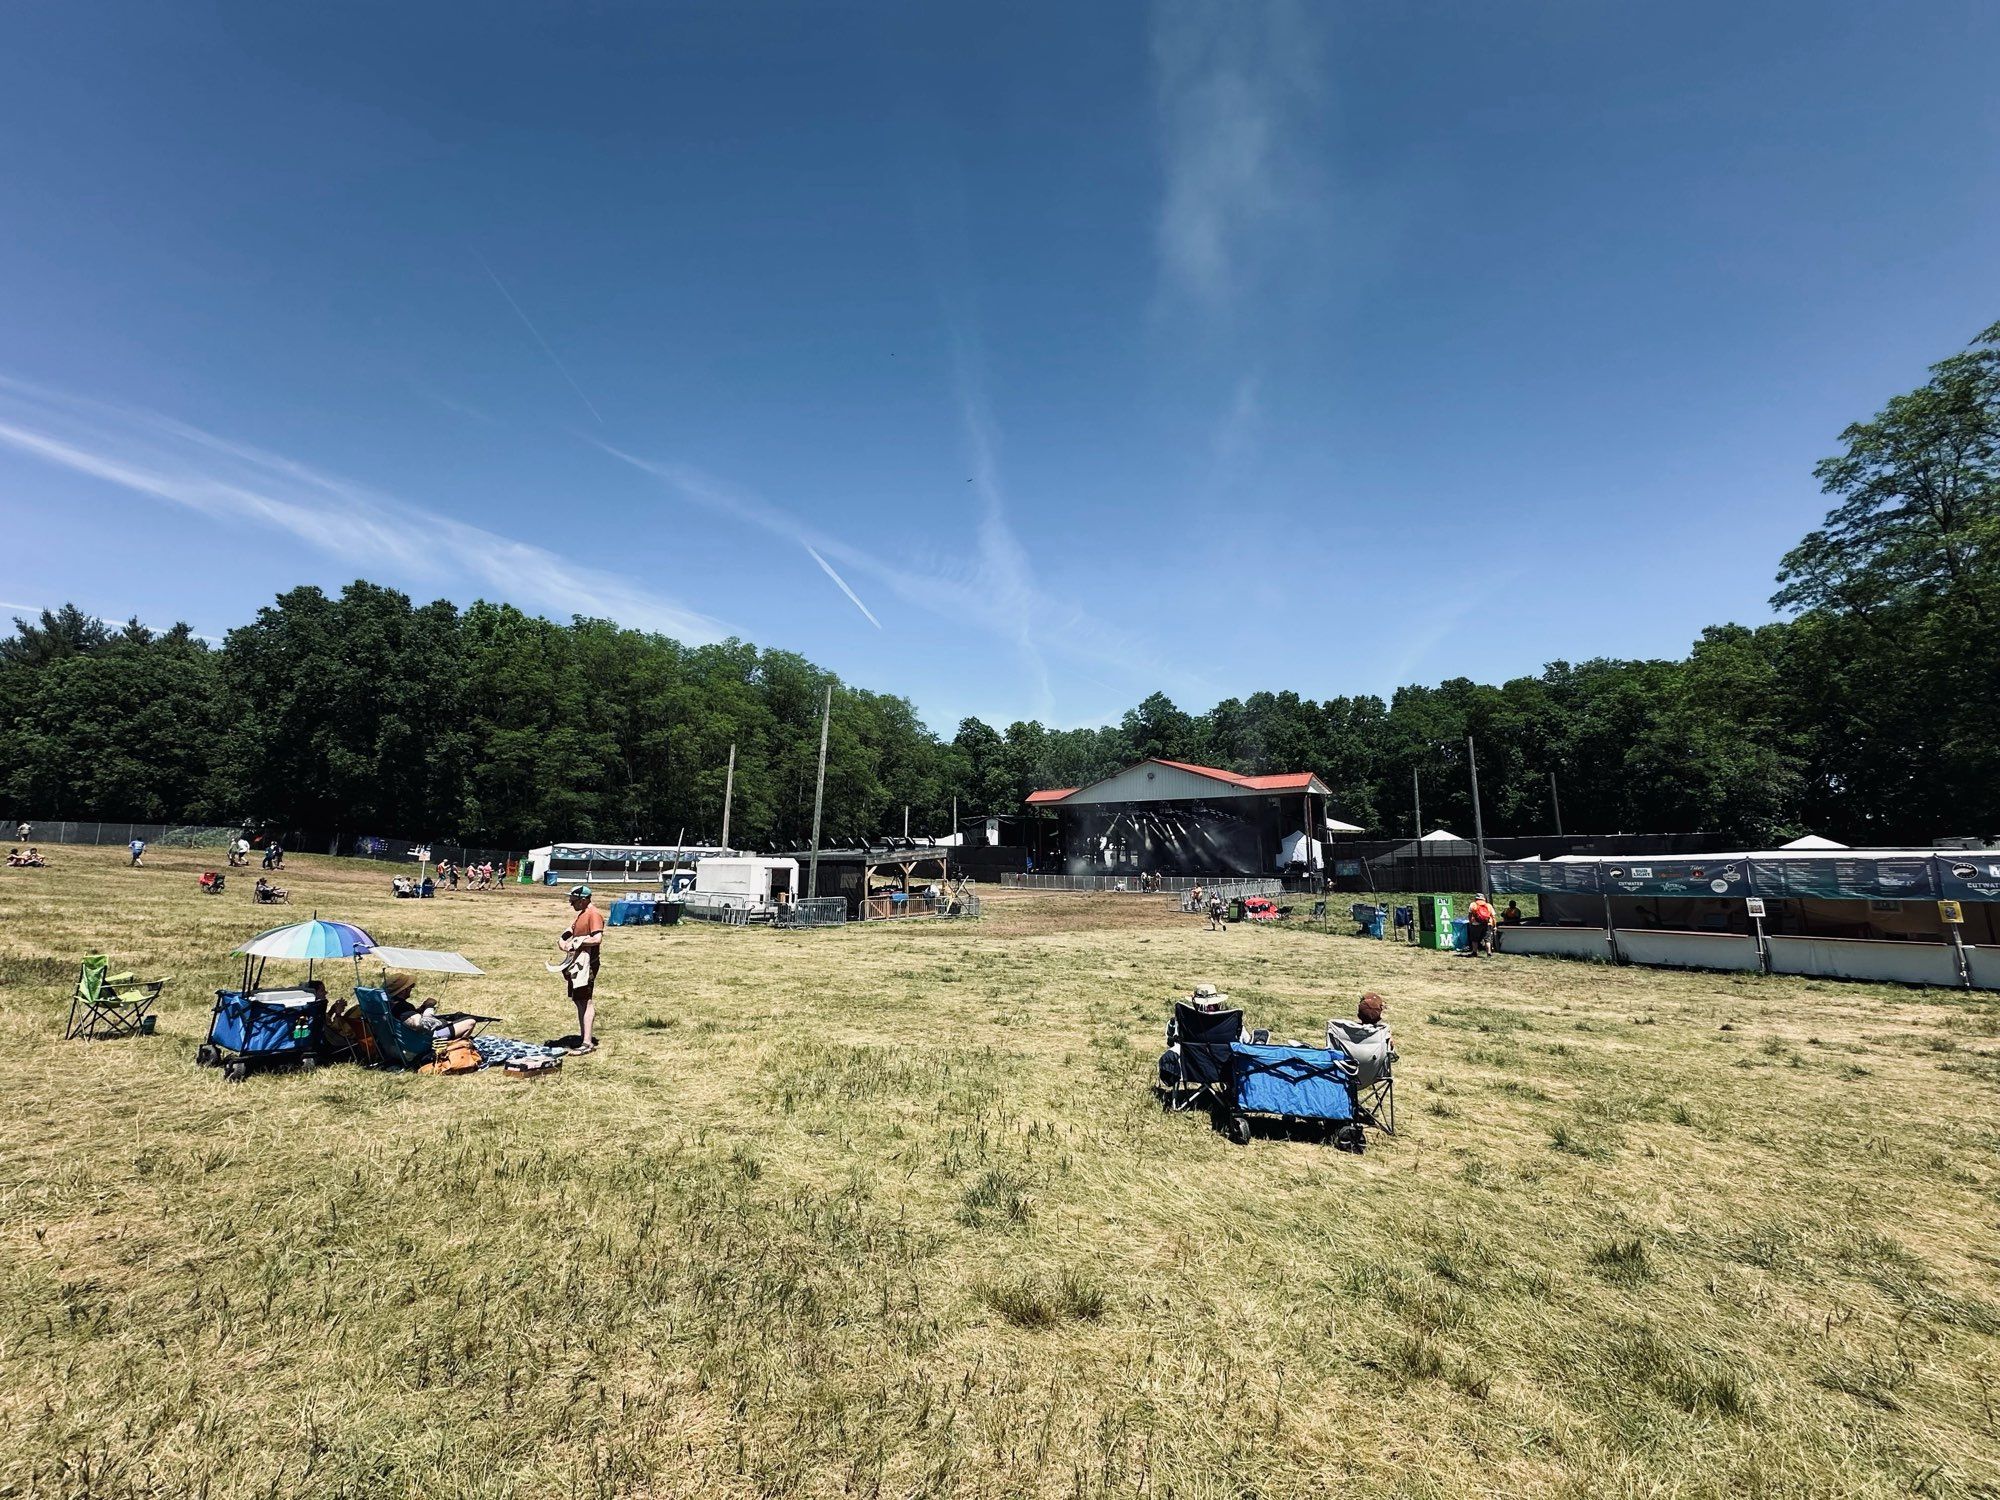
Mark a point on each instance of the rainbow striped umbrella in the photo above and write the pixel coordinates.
(305, 942)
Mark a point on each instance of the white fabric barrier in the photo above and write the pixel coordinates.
(1557, 942)
(1865, 958)
(1688, 950)
(1985, 966)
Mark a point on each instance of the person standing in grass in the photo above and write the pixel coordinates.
(1479, 926)
(583, 938)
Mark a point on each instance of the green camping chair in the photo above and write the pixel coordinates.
(107, 1004)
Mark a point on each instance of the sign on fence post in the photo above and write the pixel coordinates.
(1951, 914)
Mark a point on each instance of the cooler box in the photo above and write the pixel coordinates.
(1304, 1083)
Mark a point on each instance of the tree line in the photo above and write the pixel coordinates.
(1871, 712)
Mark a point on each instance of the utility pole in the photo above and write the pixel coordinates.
(906, 820)
(1478, 821)
(1417, 792)
(728, 797)
(819, 791)
(1555, 799)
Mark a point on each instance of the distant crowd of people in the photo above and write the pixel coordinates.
(484, 876)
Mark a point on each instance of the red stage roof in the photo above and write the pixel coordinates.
(1287, 781)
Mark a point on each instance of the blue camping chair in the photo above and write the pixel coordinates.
(402, 1043)
(398, 1042)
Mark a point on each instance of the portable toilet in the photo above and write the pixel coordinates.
(1434, 922)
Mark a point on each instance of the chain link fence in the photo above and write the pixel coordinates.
(165, 835)
(206, 836)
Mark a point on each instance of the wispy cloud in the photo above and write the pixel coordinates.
(1003, 604)
(554, 358)
(1234, 445)
(841, 583)
(146, 453)
(1451, 604)
(1005, 570)
(1237, 88)
(449, 403)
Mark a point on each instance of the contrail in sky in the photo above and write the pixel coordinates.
(553, 357)
(827, 567)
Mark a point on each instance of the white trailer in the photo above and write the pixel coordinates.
(765, 881)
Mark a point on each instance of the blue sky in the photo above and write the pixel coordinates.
(1021, 359)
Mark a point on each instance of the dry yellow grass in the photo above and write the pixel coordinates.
(893, 1212)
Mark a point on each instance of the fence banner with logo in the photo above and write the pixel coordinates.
(1645, 876)
(1973, 875)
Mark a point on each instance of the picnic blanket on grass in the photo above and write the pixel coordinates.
(498, 1051)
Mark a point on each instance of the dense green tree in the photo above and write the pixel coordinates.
(1898, 592)
(58, 633)
(128, 730)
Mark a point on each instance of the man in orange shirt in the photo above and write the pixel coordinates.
(584, 939)
(1479, 926)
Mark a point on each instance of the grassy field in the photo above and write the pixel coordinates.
(893, 1211)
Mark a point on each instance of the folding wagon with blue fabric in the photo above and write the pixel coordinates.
(1314, 1085)
(268, 1028)
(253, 1027)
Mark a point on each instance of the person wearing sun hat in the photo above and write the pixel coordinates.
(401, 990)
(583, 939)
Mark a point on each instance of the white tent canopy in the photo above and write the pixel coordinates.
(1812, 841)
(1439, 843)
(1296, 849)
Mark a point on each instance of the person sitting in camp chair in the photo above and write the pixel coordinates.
(1367, 1044)
(212, 882)
(270, 895)
(401, 990)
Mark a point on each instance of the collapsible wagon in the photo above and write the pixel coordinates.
(268, 1028)
(252, 1027)
(1309, 1084)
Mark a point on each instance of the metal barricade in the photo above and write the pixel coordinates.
(813, 911)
